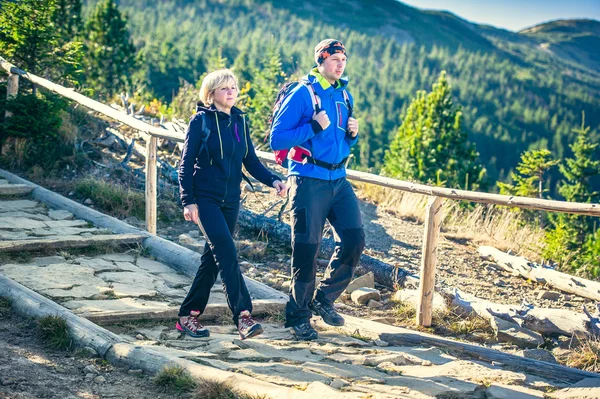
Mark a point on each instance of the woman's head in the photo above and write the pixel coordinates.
(220, 88)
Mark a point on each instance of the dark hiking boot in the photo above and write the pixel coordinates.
(328, 313)
(305, 332)
(192, 326)
(247, 326)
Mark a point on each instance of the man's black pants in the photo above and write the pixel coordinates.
(217, 222)
(313, 201)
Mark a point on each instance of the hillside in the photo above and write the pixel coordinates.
(515, 94)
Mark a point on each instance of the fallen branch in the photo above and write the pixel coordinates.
(520, 266)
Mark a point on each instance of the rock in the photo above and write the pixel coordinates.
(135, 372)
(367, 280)
(538, 354)
(140, 337)
(90, 376)
(60, 214)
(194, 233)
(338, 383)
(91, 370)
(172, 335)
(90, 351)
(549, 295)
(575, 393)
(374, 304)
(587, 383)
(88, 201)
(520, 336)
(191, 243)
(499, 283)
(512, 392)
(71, 193)
(362, 296)
(99, 380)
(380, 343)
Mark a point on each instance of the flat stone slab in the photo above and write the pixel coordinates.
(82, 291)
(99, 265)
(21, 214)
(575, 393)
(48, 260)
(125, 290)
(152, 266)
(124, 305)
(17, 205)
(129, 278)
(513, 392)
(118, 257)
(184, 354)
(60, 214)
(63, 276)
(281, 374)
(174, 280)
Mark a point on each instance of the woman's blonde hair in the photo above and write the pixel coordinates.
(213, 81)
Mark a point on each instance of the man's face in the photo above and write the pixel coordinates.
(333, 67)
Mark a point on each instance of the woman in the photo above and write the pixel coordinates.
(210, 174)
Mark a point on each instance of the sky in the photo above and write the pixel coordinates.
(513, 15)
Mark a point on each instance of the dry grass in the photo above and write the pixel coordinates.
(207, 389)
(174, 379)
(586, 356)
(483, 223)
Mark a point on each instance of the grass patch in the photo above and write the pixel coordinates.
(275, 317)
(357, 335)
(5, 305)
(405, 311)
(174, 379)
(207, 389)
(54, 332)
(112, 198)
(448, 321)
(586, 356)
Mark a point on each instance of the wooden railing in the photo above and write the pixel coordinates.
(433, 217)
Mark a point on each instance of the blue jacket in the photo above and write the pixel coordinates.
(292, 126)
(217, 173)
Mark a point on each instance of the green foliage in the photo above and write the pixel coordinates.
(174, 379)
(208, 389)
(266, 82)
(431, 146)
(37, 36)
(54, 331)
(43, 123)
(530, 180)
(109, 53)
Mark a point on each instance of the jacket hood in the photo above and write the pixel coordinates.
(315, 77)
(212, 109)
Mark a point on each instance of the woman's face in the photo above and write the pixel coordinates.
(226, 96)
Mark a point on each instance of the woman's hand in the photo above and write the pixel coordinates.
(280, 187)
(190, 213)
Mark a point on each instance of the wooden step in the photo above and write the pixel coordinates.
(260, 307)
(15, 189)
(70, 242)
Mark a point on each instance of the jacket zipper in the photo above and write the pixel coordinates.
(230, 158)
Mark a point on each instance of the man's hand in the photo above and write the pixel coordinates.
(190, 213)
(352, 127)
(280, 187)
(322, 119)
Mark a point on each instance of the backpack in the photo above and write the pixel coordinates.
(281, 156)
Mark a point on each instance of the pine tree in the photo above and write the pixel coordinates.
(31, 38)
(265, 85)
(110, 54)
(530, 180)
(67, 17)
(431, 146)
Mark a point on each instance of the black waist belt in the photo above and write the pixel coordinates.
(323, 164)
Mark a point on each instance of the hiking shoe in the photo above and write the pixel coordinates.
(328, 313)
(192, 326)
(305, 332)
(247, 326)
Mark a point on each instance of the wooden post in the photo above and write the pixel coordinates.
(151, 184)
(433, 222)
(12, 89)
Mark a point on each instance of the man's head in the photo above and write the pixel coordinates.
(330, 56)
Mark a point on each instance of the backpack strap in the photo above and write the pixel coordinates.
(316, 101)
(348, 104)
(205, 133)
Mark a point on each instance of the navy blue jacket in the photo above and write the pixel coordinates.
(217, 173)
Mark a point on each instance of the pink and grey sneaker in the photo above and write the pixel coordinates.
(247, 327)
(192, 326)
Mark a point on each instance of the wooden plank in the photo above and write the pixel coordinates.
(151, 177)
(433, 222)
(260, 307)
(15, 189)
(520, 266)
(70, 242)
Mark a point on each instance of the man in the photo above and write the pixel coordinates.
(315, 122)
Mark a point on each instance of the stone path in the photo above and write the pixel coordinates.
(137, 298)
